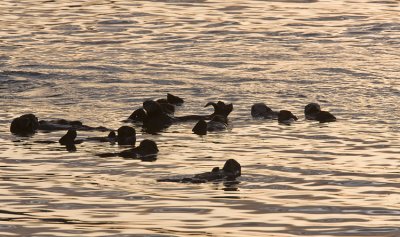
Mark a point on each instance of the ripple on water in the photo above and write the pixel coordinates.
(98, 61)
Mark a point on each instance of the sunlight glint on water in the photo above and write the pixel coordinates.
(97, 61)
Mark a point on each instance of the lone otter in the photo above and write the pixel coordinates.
(229, 172)
(28, 124)
(261, 110)
(313, 111)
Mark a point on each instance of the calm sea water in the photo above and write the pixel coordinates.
(96, 61)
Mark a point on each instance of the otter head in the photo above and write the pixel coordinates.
(126, 135)
(260, 110)
(324, 117)
(175, 100)
(152, 108)
(69, 138)
(285, 115)
(200, 128)
(233, 168)
(147, 147)
(24, 125)
(138, 115)
(311, 109)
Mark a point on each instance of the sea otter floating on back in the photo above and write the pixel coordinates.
(231, 170)
(28, 124)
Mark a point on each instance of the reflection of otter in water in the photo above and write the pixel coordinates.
(229, 172)
(28, 124)
(146, 151)
(313, 111)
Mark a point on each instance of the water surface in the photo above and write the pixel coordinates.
(97, 61)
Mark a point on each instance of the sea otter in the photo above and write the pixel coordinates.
(261, 110)
(229, 172)
(313, 111)
(146, 151)
(28, 124)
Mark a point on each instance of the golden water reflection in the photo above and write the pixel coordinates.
(96, 61)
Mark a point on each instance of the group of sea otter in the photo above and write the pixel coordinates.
(156, 115)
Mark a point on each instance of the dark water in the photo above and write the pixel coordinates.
(96, 61)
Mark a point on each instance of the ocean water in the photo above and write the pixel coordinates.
(98, 60)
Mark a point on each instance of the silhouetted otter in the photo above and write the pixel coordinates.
(126, 136)
(229, 172)
(24, 125)
(313, 111)
(156, 119)
(218, 123)
(28, 124)
(286, 117)
(138, 115)
(146, 151)
(261, 110)
(69, 138)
